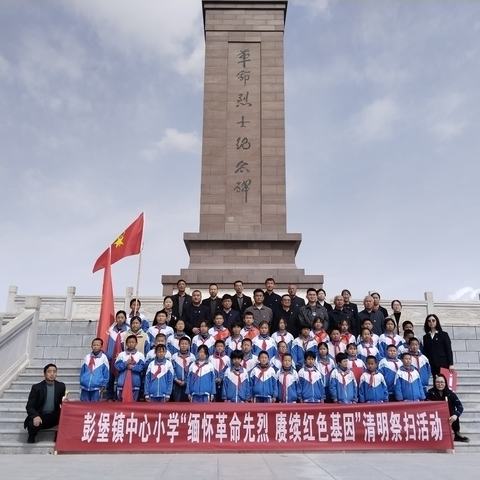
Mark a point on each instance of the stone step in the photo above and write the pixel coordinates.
(63, 363)
(20, 435)
(33, 378)
(23, 393)
(21, 447)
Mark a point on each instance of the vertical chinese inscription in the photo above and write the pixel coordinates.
(244, 133)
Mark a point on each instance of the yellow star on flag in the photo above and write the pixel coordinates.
(119, 241)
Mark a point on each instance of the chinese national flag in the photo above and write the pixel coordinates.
(107, 309)
(127, 243)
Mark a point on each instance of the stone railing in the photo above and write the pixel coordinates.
(72, 306)
(17, 342)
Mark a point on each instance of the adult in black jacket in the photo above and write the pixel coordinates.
(240, 302)
(181, 300)
(44, 401)
(288, 313)
(213, 302)
(437, 346)
(441, 393)
(195, 312)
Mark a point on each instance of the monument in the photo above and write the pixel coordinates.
(243, 232)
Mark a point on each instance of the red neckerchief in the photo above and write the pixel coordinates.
(159, 370)
(91, 363)
(220, 358)
(284, 384)
(394, 362)
(344, 337)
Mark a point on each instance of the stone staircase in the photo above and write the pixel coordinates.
(62, 342)
(66, 343)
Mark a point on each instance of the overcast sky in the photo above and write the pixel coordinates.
(101, 118)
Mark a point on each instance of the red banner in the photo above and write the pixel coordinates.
(185, 427)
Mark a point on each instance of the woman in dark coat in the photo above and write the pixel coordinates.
(441, 393)
(436, 345)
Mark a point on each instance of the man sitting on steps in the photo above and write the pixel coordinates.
(44, 401)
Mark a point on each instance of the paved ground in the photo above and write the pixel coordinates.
(236, 466)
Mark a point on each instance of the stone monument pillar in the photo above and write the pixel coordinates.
(243, 233)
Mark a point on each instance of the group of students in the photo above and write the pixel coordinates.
(244, 363)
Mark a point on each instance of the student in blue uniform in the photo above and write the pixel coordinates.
(130, 359)
(420, 362)
(94, 373)
(114, 347)
(220, 361)
(159, 378)
(203, 338)
(181, 362)
(263, 381)
(234, 341)
(342, 385)
(174, 340)
(264, 341)
(389, 337)
(288, 382)
(389, 367)
(160, 326)
(303, 343)
(311, 382)
(408, 386)
(249, 359)
(201, 378)
(372, 387)
(236, 381)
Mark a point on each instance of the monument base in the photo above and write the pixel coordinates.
(250, 257)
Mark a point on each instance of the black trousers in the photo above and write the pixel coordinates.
(49, 420)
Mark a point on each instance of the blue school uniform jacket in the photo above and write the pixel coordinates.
(389, 367)
(201, 379)
(421, 363)
(232, 344)
(207, 340)
(96, 378)
(288, 385)
(113, 332)
(276, 362)
(173, 343)
(264, 383)
(181, 365)
(156, 329)
(151, 356)
(343, 386)
(236, 385)
(364, 350)
(138, 367)
(220, 364)
(385, 341)
(299, 347)
(372, 388)
(311, 385)
(266, 343)
(159, 379)
(408, 385)
(286, 337)
(249, 362)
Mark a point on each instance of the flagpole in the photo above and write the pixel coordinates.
(139, 272)
(138, 276)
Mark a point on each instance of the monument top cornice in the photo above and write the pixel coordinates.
(239, 4)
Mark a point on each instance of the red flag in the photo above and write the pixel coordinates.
(107, 309)
(129, 242)
(127, 391)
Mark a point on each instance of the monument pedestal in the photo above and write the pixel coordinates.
(224, 258)
(243, 233)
